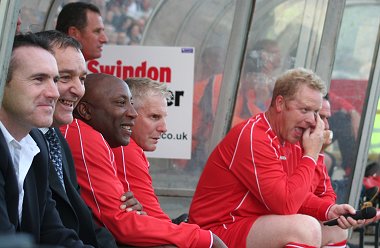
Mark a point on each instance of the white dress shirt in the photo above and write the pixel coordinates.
(22, 154)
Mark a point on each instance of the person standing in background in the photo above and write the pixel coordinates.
(83, 22)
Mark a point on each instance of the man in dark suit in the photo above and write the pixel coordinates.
(30, 94)
(74, 213)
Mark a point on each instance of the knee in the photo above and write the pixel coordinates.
(333, 234)
(306, 230)
(280, 230)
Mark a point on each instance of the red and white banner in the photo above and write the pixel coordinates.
(171, 65)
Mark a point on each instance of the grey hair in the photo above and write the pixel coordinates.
(145, 87)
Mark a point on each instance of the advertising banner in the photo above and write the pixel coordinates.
(171, 65)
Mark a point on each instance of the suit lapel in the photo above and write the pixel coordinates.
(54, 182)
(11, 188)
(29, 219)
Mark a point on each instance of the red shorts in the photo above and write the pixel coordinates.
(235, 234)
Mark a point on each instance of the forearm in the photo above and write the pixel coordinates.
(316, 207)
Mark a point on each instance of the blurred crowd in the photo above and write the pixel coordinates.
(125, 20)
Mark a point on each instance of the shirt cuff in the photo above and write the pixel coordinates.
(205, 239)
(312, 159)
(323, 215)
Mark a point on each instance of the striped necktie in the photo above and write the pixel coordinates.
(55, 153)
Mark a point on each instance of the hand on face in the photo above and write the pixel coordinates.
(313, 138)
(327, 136)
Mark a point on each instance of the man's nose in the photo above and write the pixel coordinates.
(52, 90)
(131, 112)
(311, 118)
(103, 38)
(162, 127)
(77, 87)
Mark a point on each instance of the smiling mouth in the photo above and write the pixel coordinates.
(66, 102)
(127, 128)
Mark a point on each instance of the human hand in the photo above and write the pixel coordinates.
(218, 243)
(338, 211)
(327, 136)
(313, 138)
(130, 203)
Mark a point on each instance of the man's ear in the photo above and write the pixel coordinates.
(83, 109)
(73, 32)
(280, 103)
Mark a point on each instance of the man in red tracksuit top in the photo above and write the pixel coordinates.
(133, 172)
(150, 102)
(265, 184)
(106, 107)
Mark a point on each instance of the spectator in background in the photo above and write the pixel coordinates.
(344, 122)
(266, 59)
(111, 33)
(127, 22)
(372, 175)
(123, 14)
(122, 38)
(257, 81)
(134, 34)
(205, 99)
(267, 56)
(30, 94)
(83, 22)
(251, 88)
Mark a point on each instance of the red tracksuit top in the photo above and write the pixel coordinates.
(101, 189)
(133, 172)
(250, 174)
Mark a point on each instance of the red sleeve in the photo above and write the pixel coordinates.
(316, 207)
(323, 188)
(133, 171)
(322, 195)
(101, 189)
(280, 183)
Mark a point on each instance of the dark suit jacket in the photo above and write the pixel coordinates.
(74, 212)
(39, 216)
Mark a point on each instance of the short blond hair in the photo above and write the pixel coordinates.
(288, 83)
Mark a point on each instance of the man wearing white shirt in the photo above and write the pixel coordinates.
(22, 153)
(30, 95)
